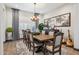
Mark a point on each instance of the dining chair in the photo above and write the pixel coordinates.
(25, 40)
(56, 44)
(24, 35)
(33, 44)
(27, 36)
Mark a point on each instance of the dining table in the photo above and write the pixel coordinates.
(43, 38)
(35, 33)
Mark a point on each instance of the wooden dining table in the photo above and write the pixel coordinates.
(35, 33)
(43, 38)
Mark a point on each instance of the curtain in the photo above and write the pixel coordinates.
(15, 23)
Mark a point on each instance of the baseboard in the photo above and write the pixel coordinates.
(7, 41)
(69, 46)
(76, 49)
(12, 40)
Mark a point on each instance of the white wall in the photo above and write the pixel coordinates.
(76, 25)
(41, 17)
(2, 26)
(9, 17)
(62, 10)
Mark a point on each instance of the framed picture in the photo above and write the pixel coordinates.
(46, 22)
(63, 20)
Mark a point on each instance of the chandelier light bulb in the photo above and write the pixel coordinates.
(35, 16)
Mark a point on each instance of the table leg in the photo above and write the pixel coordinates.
(44, 48)
(39, 49)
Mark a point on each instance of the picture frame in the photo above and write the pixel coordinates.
(63, 20)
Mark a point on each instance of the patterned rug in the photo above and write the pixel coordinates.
(19, 48)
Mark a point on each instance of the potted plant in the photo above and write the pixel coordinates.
(40, 27)
(9, 32)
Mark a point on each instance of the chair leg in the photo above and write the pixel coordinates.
(33, 50)
(44, 48)
(53, 53)
(59, 52)
(26, 43)
(44, 51)
(29, 47)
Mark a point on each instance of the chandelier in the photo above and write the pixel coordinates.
(35, 16)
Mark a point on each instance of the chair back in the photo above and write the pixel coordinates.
(24, 34)
(58, 39)
(56, 43)
(30, 36)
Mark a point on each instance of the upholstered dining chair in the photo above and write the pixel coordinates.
(24, 35)
(56, 44)
(25, 39)
(33, 44)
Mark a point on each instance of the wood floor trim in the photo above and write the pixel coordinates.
(76, 49)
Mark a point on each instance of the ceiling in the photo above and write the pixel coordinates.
(40, 7)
